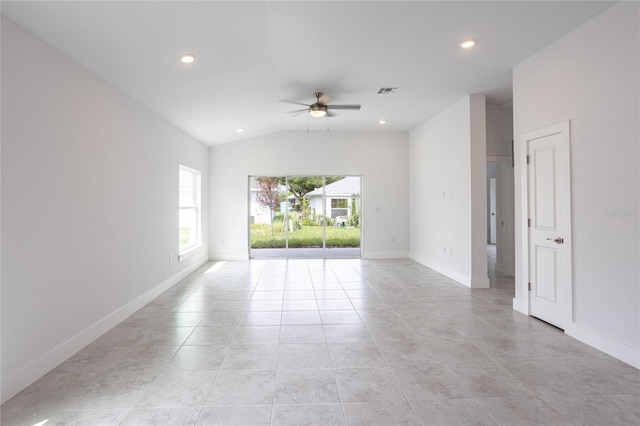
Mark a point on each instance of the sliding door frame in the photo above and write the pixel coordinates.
(287, 250)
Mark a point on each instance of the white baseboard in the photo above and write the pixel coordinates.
(462, 279)
(605, 343)
(385, 255)
(228, 256)
(521, 306)
(481, 282)
(17, 381)
(586, 335)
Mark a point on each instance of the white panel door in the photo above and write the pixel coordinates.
(549, 224)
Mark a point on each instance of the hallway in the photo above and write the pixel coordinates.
(379, 342)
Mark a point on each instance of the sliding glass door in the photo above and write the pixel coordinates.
(304, 217)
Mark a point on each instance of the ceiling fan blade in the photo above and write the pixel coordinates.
(297, 110)
(289, 101)
(324, 99)
(343, 106)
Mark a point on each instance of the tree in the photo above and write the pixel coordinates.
(354, 217)
(268, 195)
(302, 185)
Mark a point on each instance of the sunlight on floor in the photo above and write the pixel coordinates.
(216, 266)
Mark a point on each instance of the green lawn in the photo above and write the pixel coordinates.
(307, 236)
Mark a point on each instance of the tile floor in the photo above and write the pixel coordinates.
(307, 342)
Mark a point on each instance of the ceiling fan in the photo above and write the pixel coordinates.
(319, 108)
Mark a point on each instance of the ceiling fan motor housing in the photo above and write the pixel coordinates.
(317, 110)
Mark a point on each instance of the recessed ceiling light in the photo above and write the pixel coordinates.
(240, 130)
(187, 58)
(382, 122)
(468, 43)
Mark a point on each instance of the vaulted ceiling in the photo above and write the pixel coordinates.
(250, 56)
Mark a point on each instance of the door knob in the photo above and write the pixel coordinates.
(557, 240)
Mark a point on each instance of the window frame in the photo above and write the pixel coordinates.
(195, 206)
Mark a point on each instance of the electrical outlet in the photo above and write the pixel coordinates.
(450, 252)
(444, 250)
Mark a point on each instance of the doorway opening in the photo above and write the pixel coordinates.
(500, 208)
(492, 215)
(305, 217)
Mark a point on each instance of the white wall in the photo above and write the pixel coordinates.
(380, 158)
(448, 194)
(89, 206)
(591, 77)
(499, 131)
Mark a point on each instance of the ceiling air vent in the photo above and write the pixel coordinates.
(387, 90)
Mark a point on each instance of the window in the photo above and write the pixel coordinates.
(189, 228)
(339, 203)
(339, 207)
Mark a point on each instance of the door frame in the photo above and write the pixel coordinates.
(564, 129)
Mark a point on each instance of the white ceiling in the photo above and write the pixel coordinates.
(251, 55)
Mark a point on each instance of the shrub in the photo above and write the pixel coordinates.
(354, 217)
(307, 221)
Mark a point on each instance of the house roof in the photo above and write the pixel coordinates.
(346, 187)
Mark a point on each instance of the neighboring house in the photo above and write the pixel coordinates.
(338, 197)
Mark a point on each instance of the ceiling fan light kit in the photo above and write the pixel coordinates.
(317, 110)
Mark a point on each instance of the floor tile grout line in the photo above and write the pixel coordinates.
(413, 409)
(335, 379)
(333, 371)
(473, 396)
(275, 376)
(455, 378)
